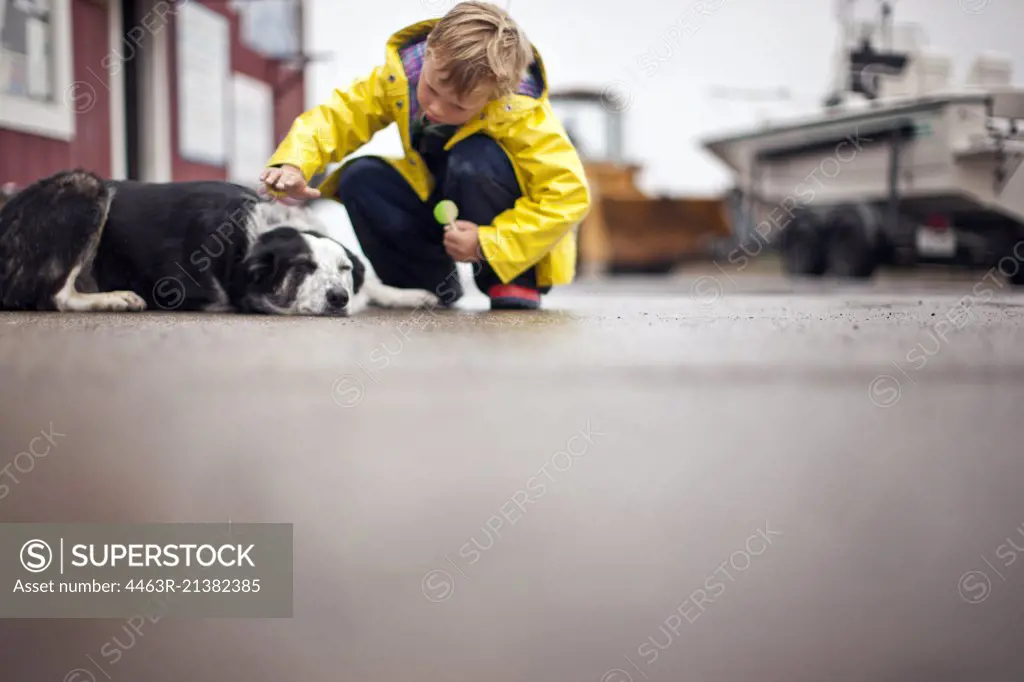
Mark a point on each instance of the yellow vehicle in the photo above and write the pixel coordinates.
(627, 230)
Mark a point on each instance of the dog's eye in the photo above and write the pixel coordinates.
(307, 266)
(344, 268)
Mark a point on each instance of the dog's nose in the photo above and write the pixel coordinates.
(337, 298)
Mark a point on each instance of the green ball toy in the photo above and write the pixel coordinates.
(446, 212)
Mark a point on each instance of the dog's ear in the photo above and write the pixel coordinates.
(358, 270)
(261, 267)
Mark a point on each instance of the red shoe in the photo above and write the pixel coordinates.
(513, 297)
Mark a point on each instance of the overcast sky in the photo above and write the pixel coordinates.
(668, 55)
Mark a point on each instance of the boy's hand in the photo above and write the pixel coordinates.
(463, 242)
(289, 180)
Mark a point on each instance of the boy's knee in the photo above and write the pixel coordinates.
(360, 175)
(478, 157)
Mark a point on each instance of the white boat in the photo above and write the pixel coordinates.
(898, 166)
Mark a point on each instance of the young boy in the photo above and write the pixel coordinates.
(469, 94)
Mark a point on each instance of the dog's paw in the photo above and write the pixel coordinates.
(123, 301)
(421, 298)
(393, 297)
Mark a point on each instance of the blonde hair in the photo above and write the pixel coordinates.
(478, 44)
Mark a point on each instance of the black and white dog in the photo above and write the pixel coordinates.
(76, 242)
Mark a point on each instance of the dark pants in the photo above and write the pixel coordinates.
(398, 232)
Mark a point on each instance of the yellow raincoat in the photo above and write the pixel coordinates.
(540, 230)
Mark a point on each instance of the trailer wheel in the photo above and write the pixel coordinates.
(852, 244)
(1012, 264)
(1006, 253)
(1014, 272)
(802, 245)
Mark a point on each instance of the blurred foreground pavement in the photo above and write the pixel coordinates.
(780, 483)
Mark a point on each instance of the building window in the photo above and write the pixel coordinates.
(36, 92)
(26, 50)
(270, 27)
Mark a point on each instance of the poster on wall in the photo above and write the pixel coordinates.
(252, 129)
(204, 62)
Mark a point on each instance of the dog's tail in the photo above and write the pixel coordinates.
(49, 232)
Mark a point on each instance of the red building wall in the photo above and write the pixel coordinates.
(289, 100)
(25, 158)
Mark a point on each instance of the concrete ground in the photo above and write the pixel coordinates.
(714, 477)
